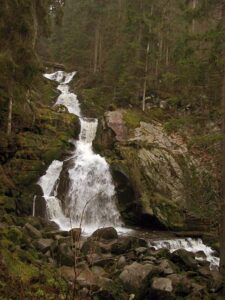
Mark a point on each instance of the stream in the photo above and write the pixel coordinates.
(90, 197)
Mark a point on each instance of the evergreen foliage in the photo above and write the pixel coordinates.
(107, 42)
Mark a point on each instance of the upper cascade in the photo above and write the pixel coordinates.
(89, 199)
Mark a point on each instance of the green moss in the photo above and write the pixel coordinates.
(205, 142)
(15, 266)
(132, 119)
(167, 212)
(14, 235)
(7, 203)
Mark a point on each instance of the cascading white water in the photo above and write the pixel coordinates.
(90, 199)
(189, 244)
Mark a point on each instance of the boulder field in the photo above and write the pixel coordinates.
(104, 265)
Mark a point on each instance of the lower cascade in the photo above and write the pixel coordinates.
(195, 246)
(89, 199)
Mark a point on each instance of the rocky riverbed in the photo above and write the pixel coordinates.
(106, 265)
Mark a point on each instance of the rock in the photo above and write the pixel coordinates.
(66, 240)
(133, 276)
(205, 272)
(151, 259)
(124, 244)
(56, 233)
(153, 172)
(197, 288)
(75, 233)
(121, 262)
(161, 253)
(32, 231)
(181, 284)
(65, 255)
(114, 121)
(98, 271)
(67, 273)
(140, 250)
(90, 246)
(105, 247)
(91, 258)
(216, 282)
(43, 244)
(86, 278)
(50, 225)
(104, 262)
(167, 267)
(108, 233)
(184, 259)
(161, 289)
(162, 284)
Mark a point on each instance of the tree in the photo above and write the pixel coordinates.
(222, 182)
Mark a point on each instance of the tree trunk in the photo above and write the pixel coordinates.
(35, 24)
(9, 124)
(194, 4)
(96, 54)
(145, 79)
(167, 56)
(222, 182)
(222, 188)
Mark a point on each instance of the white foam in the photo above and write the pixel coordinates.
(189, 244)
(90, 200)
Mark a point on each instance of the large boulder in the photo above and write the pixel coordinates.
(134, 275)
(32, 231)
(43, 244)
(185, 259)
(157, 179)
(125, 244)
(107, 233)
(161, 289)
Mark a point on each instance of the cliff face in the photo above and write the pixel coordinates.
(159, 183)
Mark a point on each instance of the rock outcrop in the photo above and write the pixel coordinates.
(159, 183)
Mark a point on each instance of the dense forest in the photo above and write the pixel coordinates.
(130, 50)
(112, 163)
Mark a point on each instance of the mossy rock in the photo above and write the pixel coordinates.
(7, 203)
(14, 234)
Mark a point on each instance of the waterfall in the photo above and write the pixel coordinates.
(90, 200)
(191, 245)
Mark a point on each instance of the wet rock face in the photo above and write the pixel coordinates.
(156, 179)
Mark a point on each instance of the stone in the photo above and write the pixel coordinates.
(114, 121)
(124, 244)
(162, 284)
(121, 262)
(156, 172)
(43, 244)
(65, 255)
(181, 284)
(56, 233)
(67, 273)
(151, 259)
(104, 262)
(107, 233)
(98, 271)
(167, 267)
(90, 246)
(184, 259)
(216, 282)
(32, 231)
(140, 250)
(133, 276)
